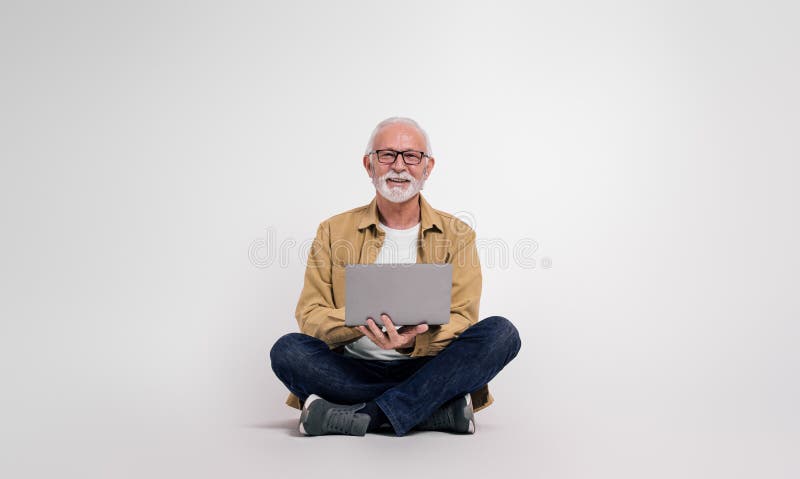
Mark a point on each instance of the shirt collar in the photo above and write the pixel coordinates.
(429, 218)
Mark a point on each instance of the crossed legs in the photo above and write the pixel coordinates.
(407, 390)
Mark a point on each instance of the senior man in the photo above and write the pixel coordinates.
(354, 380)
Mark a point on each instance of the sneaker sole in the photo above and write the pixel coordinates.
(470, 413)
(304, 414)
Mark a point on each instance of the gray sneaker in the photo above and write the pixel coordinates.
(455, 416)
(320, 417)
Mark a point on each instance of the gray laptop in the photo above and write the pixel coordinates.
(410, 293)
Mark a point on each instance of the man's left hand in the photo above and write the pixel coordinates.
(392, 338)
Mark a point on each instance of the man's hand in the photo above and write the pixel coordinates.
(392, 338)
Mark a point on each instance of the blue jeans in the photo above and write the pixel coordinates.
(407, 390)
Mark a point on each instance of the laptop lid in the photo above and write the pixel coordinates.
(410, 294)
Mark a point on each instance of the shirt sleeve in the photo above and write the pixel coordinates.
(464, 304)
(315, 313)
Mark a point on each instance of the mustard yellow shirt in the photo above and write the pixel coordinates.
(355, 237)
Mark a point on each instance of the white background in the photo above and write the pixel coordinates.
(649, 148)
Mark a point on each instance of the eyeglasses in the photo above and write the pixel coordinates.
(388, 157)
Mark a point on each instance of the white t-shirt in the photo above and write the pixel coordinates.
(399, 246)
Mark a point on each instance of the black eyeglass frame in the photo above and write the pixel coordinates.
(401, 154)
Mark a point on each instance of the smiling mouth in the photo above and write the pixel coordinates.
(397, 182)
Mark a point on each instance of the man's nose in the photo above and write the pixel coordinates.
(399, 164)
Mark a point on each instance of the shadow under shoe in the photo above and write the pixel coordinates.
(321, 417)
(454, 416)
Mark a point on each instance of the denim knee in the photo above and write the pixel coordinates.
(284, 348)
(504, 331)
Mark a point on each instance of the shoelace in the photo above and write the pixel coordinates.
(441, 419)
(339, 420)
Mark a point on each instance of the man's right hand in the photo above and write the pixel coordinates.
(402, 338)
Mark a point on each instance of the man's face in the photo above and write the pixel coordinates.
(398, 137)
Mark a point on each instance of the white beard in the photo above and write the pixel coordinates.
(398, 194)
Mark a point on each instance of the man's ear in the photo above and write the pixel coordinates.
(429, 162)
(371, 166)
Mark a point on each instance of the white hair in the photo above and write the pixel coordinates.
(398, 119)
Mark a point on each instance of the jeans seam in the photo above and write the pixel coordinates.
(391, 415)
